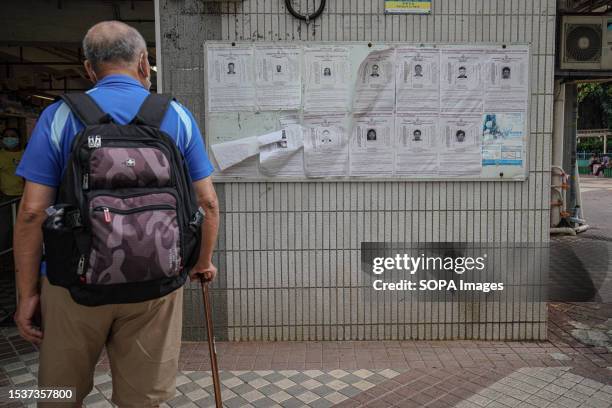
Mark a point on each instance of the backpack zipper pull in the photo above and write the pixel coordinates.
(81, 266)
(107, 216)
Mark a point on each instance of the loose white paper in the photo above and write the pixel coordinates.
(284, 158)
(268, 138)
(229, 154)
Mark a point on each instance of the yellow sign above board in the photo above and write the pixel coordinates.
(407, 7)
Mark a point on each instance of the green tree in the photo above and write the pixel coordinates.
(595, 105)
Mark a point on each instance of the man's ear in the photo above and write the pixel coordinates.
(144, 66)
(90, 71)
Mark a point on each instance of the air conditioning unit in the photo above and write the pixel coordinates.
(586, 42)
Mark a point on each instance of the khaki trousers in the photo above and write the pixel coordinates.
(142, 340)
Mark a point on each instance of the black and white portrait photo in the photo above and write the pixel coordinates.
(462, 73)
(418, 70)
(231, 69)
(416, 135)
(460, 136)
(371, 135)
(327, 71)
(375, 73)
(506, 73)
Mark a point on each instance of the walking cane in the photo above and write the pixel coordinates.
(211, 344)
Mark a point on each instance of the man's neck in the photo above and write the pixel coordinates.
(118, 71)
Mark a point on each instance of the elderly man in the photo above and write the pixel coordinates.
(142, 339)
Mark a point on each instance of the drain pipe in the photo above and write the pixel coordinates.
(558, 179)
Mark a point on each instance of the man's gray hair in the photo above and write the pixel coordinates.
(113, 42)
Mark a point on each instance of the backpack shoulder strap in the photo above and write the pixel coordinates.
(86, 109)
(153, 110)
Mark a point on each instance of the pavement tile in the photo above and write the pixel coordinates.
(313, 373)
(197, 394)
(591, 383)
(205, 381)
(338, 373)
(336, 385)
(363, 373)
(243, 388)
(509, 401)
(336, 397)
(479, 400)
(264, 403)
(567, 402)
(252, 396)
(575, 395)
(584, 389)
(550, 396)
(322, 391)
(279, 397)
(350, 391)
(323, 403)
(180, 401)
(295, 390)
(258, 383)
(598, 403)
(284, 383)
(364, 385)
(311, 384)
(308, 397)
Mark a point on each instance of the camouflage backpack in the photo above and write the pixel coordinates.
(130, 226)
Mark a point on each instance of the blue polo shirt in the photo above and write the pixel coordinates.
(46, 155)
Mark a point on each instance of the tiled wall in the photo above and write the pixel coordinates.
(289, 252)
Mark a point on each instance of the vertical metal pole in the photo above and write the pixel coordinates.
(158, 46)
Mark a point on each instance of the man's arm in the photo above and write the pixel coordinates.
(27, 249)
(207, 199)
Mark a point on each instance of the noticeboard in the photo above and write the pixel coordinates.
(287, 111)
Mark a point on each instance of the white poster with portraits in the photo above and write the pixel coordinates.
(278, 73)
(327, 79)
(417, 143)
(461, 81)
(506, 80)
(461, 148)
(371, 145)
(231, 85)
(326, 149)
(418, 80)
(375, 85)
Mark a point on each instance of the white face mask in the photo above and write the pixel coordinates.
(10, 142)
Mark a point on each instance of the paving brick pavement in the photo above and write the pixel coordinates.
(563, 372)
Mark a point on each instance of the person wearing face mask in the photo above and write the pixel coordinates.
(11, 186)
(142, 339)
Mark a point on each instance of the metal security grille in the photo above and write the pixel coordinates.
(289, 253)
